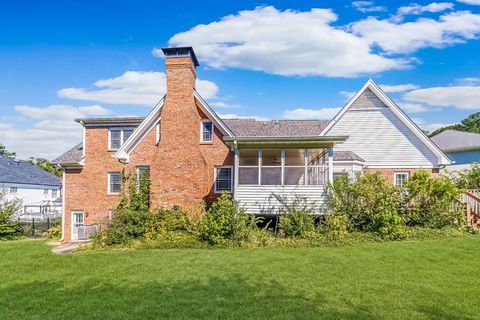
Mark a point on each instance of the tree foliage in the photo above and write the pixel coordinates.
(469, 124)
(8, 228)
(46, 165)
(5, 152)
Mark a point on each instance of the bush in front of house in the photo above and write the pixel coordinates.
(9, 229)
(467, 179)
(370, 203)
(428, 202)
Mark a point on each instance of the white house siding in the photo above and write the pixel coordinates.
(379, 137)
(260, 199)
(352, 169)
(30, 194)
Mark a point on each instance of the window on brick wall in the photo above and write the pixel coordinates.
(223, 179)
(400, 178)
(114, 182)
(117, 137)
(206, 134)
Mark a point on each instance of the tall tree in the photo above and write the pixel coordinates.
(46, 165)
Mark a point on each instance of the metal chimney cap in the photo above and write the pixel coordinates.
(181, 52)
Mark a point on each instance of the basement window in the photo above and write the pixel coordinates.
(117, 137)
(206, 134)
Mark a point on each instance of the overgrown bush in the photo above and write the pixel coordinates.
(296, 216)
(467, 179)
(427, 201)
(335, 225)
(370, 203)
(224, 222)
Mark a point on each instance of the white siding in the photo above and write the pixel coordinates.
(379, 137)
(260, 199)
(30, 194)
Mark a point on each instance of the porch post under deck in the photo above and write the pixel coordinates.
(235, 173)
(330, 165)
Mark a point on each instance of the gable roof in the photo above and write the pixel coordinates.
(275, 128)
(18, 171)
(72, 156)
(453, 140)
(370, 85)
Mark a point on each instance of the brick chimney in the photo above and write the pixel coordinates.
(184, 168)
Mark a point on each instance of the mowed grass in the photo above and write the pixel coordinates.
(431, 279)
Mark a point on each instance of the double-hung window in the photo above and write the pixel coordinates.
(114, 182)
(45, 193)
(13, 190)
(400, 178)
(223, 179)
(143, 174)
(54, 193)
(206, 134)
(117, 137)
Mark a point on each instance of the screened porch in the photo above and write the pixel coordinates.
(266, 169)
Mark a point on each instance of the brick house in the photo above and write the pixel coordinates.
(192, 155)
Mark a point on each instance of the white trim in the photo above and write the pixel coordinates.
(201, 131)
(398, 167)
(108, 182)
(442, 159)
(158, 133)
(64, 186)
(139, 134)
(212, 115)
(215, 178)
(395, 174)
(83, 142)
(235, 176)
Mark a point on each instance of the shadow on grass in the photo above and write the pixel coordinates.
(214, 298)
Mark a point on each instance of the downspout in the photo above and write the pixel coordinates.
(63, 205)
(235, 169)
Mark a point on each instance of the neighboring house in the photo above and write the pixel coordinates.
(191, 154)
(460, 146)
(38, 189)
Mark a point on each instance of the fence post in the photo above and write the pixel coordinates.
(48, 223)
(33, 227)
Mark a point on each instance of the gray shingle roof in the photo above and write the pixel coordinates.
(452, 140)
(275, 128)
(73, 155)
(346, 156)
(19, 171)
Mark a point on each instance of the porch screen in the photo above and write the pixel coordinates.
(248, 167)
(294, 167)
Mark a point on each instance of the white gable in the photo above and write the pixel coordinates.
(379, 132)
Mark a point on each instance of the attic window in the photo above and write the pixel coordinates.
(117, 137)
(206, 134)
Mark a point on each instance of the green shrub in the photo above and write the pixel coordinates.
(9, 229)
(335, 225)
(224, 222)
(55, 232)
(427, 201)
(370, 203)
(162, 221)
(467, 179)
(296, 224)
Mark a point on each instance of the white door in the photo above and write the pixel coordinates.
(77, 221)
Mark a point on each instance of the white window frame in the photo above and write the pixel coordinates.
(108, 182)
(122, 140)
(56, 193)
(215, 178)
(13, 190)
(395, 174)
(45, 193)
(201, 131)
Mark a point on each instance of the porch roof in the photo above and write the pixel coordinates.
(286, 142)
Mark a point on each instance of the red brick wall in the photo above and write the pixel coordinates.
(181, 167)
(389, 172)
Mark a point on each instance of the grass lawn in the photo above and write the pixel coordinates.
(431, 279)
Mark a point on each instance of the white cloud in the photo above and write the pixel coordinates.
(398, 88)
(133, 87)
(468, 81)
(347, 94)
(415, 8)
(221, 104)
(472, 2)
(367, 6)
(406, 37)
(306, 113)
(429, 126)
(52, 133)
(413, 107)
(459, 97)
(285, 43)
(236, 116)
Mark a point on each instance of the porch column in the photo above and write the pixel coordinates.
(235, 172)
(330, 164)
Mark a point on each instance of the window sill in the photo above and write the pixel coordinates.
(112, 150)
(206, 142)
(113, 194)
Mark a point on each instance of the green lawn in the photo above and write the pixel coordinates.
(432, 279)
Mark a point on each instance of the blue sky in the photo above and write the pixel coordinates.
(275, 60)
